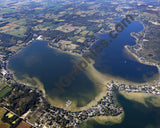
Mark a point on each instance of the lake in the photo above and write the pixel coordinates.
(48, 65)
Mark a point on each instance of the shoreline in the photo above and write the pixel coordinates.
(39, 86)
(18, 51)
(139, 59)
(65, 52)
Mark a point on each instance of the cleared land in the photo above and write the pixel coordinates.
(2, 124)
(23, 125)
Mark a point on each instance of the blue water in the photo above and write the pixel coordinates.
(113, 60)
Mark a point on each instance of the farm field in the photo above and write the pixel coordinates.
(5, 91)
(2, 124)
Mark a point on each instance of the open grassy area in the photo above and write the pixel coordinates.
(83, 33)
(5, 91)
(9, 115)
(18, 32)
(2, 124)
(91, 33)
(2, 84)
(7, 10)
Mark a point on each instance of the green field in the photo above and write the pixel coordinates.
(20, 32)
(2, 84)
(5, 91)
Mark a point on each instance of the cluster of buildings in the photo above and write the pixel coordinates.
(58, 117)
(145, 88)
(153, 89)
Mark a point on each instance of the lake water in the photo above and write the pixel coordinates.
(114, 60)
(40, 61)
